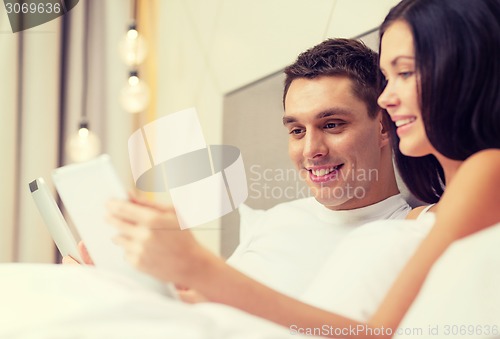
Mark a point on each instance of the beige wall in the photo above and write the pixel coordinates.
(208, 48)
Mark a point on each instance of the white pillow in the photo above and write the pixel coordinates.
(461, 295)
(359, 273)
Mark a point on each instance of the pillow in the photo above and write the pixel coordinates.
(359, 273)
(461, 295)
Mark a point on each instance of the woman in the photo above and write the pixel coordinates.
(441, 64)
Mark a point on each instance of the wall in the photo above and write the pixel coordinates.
(207, 48)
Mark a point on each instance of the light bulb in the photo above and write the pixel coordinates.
(135, 95)
(83, 145)
(133, 47)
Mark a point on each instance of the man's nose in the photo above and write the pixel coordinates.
(314, 145)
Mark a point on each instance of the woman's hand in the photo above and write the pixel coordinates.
(191, 296)
(84, 254)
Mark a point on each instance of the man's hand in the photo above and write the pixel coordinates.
(153, 241)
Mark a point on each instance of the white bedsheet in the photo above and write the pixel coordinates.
(461, 292)
(55, 301)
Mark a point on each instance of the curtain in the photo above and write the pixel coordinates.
(29, 148)
(9, 45)
(44, 71)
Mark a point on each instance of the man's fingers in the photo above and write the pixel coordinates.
(130, 247)
(122, 213)
(145, 202)
(128, 211)
(125, 228)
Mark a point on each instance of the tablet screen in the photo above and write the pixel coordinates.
(85, 188)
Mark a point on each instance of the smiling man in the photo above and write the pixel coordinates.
(338, 142)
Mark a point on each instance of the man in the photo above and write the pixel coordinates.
(338, 143)
(340, 146)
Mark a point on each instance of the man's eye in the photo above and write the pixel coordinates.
(331, 125)
(296, 131)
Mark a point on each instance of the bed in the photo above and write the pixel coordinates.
(56, 301)
(460, 299)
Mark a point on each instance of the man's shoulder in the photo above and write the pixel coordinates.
(304, 205)
(394, 207)
(285, 214)
(275, 217)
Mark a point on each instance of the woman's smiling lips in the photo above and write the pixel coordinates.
(403, 123)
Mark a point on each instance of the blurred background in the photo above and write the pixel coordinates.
(112, 66)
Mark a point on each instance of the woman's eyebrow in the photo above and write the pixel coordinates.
(396, 60)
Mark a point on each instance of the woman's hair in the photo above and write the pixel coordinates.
(457, 56)
(341, 57)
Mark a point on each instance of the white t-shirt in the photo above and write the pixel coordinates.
(287, 245)
(359, 273)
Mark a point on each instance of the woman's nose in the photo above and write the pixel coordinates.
(388, 97)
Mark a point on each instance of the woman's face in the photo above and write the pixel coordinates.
(400, 96)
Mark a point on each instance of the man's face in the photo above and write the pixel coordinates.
(333, 142)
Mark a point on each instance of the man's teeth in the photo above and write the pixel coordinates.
(324, 171)
(404, 121)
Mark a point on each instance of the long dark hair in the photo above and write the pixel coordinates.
(457, 54)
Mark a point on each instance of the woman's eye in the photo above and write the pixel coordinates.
(405, 75)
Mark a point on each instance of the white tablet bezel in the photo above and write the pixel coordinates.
(54, 220)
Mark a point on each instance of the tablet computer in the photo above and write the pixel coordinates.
(54, 220)
(85, 188)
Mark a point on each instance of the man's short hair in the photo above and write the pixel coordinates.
(340, 57)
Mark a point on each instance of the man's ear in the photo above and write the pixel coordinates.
(384, 121)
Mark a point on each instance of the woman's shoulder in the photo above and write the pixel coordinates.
(470, 201)
(481, 167)
(479, 172)
(488, 157)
